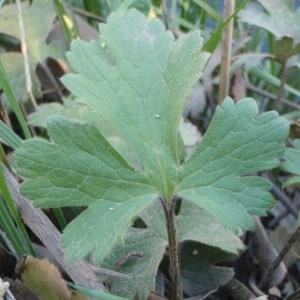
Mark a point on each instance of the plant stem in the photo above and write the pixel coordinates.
(175, 286)
(278, 104)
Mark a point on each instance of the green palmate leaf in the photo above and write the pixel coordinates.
(238, 142)
(143, 249)
(79, 169)
(135, 81)
(291, 164)
(277, 18)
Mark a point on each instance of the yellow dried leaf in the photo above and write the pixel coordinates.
(43, 279)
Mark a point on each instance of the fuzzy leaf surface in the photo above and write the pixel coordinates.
(81, 168)
(238, 142)
(150, 243)
(135, 81)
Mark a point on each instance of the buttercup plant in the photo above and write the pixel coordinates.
(136, 79)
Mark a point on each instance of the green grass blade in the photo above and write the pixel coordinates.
(1, 2)
(262, 74)
(12, 211)
(124, 6)
(212, 43)
(9, 137)
(13, 102)
(10, 230)
(60, 218)
(65, 22)
(95, 294)
(209, 10)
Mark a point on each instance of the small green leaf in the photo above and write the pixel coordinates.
(285, 49)
(199, 275)
(195, 224)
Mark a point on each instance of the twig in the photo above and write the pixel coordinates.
(269, 95)
(52, 79)
(25, 56)
(226, 51)
(127, 257)
(268, 274)
(284, 200)
(39, 223)
(275, 221)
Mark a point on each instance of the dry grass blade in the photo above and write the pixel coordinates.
(226, 51)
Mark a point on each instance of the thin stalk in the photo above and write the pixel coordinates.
(271, 51)
(213, 41)
(269, 95)
(226, 51)
(25, 56)
(175, 287)
(278, 104)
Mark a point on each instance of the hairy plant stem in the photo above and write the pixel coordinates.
(175, 286)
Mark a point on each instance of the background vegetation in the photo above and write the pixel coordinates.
(263, 63)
